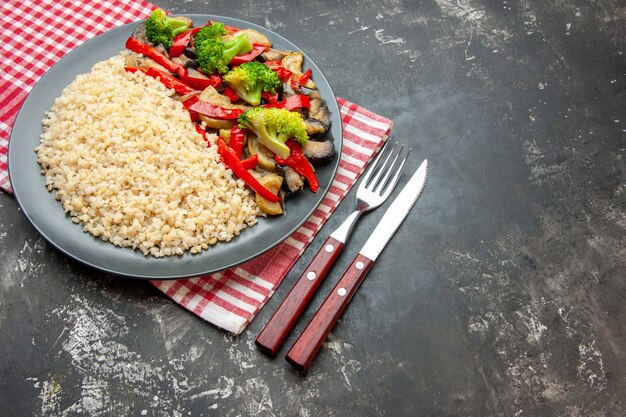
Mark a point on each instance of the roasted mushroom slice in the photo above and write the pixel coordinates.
(319, 153)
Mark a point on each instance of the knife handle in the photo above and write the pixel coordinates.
(308, 344)
(278, 327)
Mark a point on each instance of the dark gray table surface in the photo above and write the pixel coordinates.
(502, 294)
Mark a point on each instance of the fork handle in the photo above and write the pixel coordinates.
(308, 344)
(275, 331)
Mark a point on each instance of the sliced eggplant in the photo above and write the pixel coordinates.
(314, 127)
(218, 124)
(319, 153)
(317, 109)
(140, 33)
(134, 60)
(274, 54)
(294, 182)
(266, 157)
(273, 183)
(188, 63)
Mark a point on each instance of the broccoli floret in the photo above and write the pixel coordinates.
(213, 31)
(214, 54)
(274, 126)
(250, 79)
(162, 29)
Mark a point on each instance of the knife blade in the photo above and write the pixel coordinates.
(301, 354)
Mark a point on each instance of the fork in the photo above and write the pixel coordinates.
(374, 189)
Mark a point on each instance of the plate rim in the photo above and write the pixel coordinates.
(331, 101)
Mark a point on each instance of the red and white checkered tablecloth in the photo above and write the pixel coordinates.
(35, 34)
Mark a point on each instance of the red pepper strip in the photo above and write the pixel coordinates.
(291, 103)
(269, 97)
(165, 79)
(179, 44)
(213, 80)
(231, 94)
(251, 162)
(217, 112)
(257, 49)
(136, 45)
(283, 73)
(170, 82)
(299, 163)
(298, 79)
(236, 140)
(203, 133)
(230, 159)
(192, 114)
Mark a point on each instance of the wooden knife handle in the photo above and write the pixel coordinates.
(276, 330)
(306, 347)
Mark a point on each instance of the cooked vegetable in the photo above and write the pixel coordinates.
(273, 127)
(139, 47)
(222, 74)
(319, 153)
(162, 29)
(300, 164)
(166, 79)
(230, 159)
(273, 183)
(250, 79)
(266, 157)
(213, 53)
(257, 49)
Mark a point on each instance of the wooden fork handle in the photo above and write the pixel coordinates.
(308, 344)
(278, 327)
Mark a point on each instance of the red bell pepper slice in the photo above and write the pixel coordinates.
(257, 49)
(251, 162)
(213, 80)
(139, 47)
(291, 103)
(181, 41)
(300, 79)
(217, 112)
(269, 97)
(236, 140)
(202, 132)
(192, 114)
(230, 159)
(300, 164)
(165, 79)
(283, 73)
(231, 94)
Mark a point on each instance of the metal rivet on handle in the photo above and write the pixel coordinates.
(342, 291)
(329, 248)
(359, 265)
(311, 275)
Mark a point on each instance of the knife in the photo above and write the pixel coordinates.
(308, 344)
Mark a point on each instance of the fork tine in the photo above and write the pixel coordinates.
(380, 170)
(373, 166)
(394, 179)
(382, 184)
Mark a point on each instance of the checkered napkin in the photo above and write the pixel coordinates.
(36, 34)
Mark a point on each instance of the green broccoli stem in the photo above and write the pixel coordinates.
(237, 46)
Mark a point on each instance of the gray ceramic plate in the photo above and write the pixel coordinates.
(48, 217)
